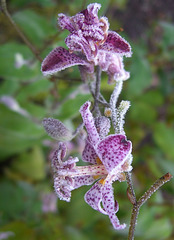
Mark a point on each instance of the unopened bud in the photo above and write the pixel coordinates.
(57, 130)
(108, 112)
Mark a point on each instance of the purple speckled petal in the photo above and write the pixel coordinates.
(116, 44)
(84, 180)
(58, 156)
(91, 13)
(67, 167)
(79, 44)
(59, 59)
(89, 154)
(89, 123)
(63, 167)
(63, 187)
(65, 22)
(103, 193)
(94, 197)
(110, 205)
(113, 151)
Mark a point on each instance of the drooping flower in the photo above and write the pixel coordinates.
(93, 45)
(114, 153)
(110, 157)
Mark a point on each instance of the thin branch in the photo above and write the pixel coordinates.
(161, 181)
(130, 190)
(136, 206)
(7, 14)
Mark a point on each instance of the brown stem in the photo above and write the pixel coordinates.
(7, 14)
(130, 190)
(136, 206)
(161, 181)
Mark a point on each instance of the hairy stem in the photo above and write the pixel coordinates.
(113, 102)
(136, 206)
(7, 14)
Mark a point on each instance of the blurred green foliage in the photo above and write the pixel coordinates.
(24, 146)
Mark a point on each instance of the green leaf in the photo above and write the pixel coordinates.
(160, 229)
(150, 227)
(36, 27)
(38, 87)
(19, 199)
(166, 165)
(17, 133)
(8, 69)
(168, 34)
(141, 75)
(70, 108)
(20, 230)
(8, 87)
(142, 113)
(30, 164)
(164, 138)
(152, 98)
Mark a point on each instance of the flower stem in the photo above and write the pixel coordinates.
(130, 190)
(136, 206)
(97, 90)
(7, 14)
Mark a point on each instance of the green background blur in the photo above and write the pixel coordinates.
(29, 209)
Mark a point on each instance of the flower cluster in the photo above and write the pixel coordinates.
(90, 43)
(109, 157)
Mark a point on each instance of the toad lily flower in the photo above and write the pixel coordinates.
(109, 157)
(93, 45)
(114, 153)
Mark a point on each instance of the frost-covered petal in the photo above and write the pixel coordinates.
(94, 197)
(68, 167)
(57, 130)
(113, 151)
(65, 22)
(60, 166)
(63, 187)
(59, 59)
(103, 193)
(116, 44)
(79, 44)
(82, 180)
(110, 205)
(89, 154)
(112, 63)
(58, 156)
(91, 13)
(89, 123)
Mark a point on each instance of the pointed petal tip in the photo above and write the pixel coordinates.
(59, 59)
(119, 226)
